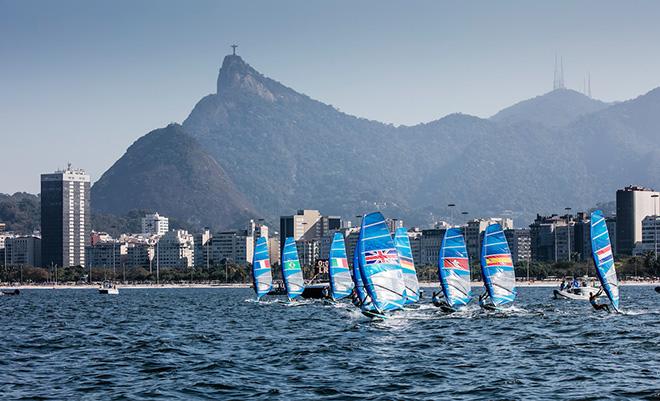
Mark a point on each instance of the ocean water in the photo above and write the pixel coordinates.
(191, 344)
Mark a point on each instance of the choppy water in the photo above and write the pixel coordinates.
(218, 344)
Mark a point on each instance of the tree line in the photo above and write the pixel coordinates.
(646, 266)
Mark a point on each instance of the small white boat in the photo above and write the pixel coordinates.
(579, 293)
(108, 288)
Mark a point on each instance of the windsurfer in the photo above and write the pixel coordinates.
(593, 301)
(438, 299)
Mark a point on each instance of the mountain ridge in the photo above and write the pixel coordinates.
(284, 151)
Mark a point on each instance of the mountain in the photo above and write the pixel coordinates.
(259, 147)
(21, 212)
(169, 172)
(554, 109)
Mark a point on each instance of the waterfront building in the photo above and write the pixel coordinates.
(633, 204)
(175, 249)
(140, 254)
(203, 248)
(273, 249)
(234, 245)
(415, 237)
(155, 224)
(582, 237)
(65, 217)
(257, 229)
(308, 225)
(23, 250)
(109, 253)
(519, 243)
(430, 242)
(476, 227)
(650, 236)
(308, 251)
(545, 239)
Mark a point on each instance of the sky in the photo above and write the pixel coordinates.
(80, 81)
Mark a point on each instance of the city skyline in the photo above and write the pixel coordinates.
(109, 74)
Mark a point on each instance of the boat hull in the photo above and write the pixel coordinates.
(577, 294)
(316, 291)
(109, 291)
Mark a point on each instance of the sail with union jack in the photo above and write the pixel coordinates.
(454, 269)
(262, 277)
(379, 264)
(402, 244)
(603, 257)
(497, 266)
(291, 270)
(341, 284)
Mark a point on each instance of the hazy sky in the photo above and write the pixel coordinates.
(81, 80)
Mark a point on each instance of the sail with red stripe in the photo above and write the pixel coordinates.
(402, 244)
(261, 272)
(603, 258)
(497, 266)
(454, 269)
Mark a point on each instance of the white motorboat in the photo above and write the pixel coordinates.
(108, 288)
(579, 293)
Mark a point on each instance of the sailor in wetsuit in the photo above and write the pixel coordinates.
(438, 298)
(485, 302)
(595, 304)
(440, 301)
(355, 298)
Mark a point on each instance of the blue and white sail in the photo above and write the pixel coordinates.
(402, 245)
(291, 272)
(261, 274)
(357, 276)
(341, 284)
(379, 264)
(497, 266)
(454, 269)
(603, 258)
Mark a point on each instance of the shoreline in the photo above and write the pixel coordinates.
(519, 284)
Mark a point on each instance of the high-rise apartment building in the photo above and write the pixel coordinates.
(633, 204)
(65, 217)
(155, 224)
(307, 225)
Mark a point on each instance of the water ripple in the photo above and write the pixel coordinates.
(188, 344)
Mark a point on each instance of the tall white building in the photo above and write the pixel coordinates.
(65, 217)
(650, 236)
(155, 224)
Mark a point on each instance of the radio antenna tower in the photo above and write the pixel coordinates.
(589, 84)
(558, 82)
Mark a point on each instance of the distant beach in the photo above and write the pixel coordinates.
(531, 283)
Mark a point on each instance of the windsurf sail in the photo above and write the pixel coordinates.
(341, 284)
(402, 245)
(291, 272)
(261, 274)
(454, 269)
(601, 250)
(379, 264)
(497, 266)
(357, 277)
